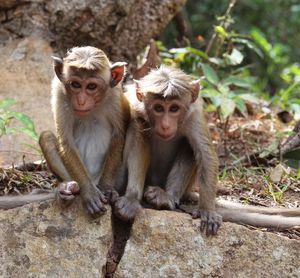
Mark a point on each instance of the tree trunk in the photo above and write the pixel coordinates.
(122, 28)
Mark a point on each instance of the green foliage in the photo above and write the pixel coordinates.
(266, 35)
(7, 115)
(227, 84)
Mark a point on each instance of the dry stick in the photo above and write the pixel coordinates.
(224, 24)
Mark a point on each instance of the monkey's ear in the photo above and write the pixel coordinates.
(58, 67)
(118, 71)
(195, 89)
(139, 94)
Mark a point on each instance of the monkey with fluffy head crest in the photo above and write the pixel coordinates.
(91, 116)
(169, 149)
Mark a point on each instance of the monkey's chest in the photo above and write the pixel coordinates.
(163, 155)
(92, 140)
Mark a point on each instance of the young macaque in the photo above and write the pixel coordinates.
(91, 116)
(168, 149)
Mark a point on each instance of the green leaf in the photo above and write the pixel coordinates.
(210, 92)
(234, 80)
(197, 52)
(251, 45)
(210, 74)
(210, 108)
(7, 102)
(235, 58)
(227, 107)
(217, 61)
(221, 31)
(240, 105)
(249, 97)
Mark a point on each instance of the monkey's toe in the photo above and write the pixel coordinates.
(159, 198)
(210, 221)
(126, 209)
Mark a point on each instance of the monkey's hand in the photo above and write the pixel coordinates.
(159, 198)
(210, 221)
(93, 200)
(126, 208)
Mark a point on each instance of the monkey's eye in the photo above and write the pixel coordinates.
(158, 108)
(91, 86)
(174, 108)
(75, 85)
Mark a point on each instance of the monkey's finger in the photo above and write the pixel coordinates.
(100, 206)
(101, 196)
(74, 188)
(65, 197)
(215, 228)
(203, 225)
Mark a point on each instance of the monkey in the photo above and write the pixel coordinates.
(91, 115)
(168, 149)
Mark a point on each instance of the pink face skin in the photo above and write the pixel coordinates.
(85, 93)
(165, 115)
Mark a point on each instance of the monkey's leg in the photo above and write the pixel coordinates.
(179, 179)
(137, 158)
(67, 189)
(49, 145)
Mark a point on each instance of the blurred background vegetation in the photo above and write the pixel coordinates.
(247, 49)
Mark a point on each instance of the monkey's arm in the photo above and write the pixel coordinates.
(179, 179)
(112, 163)
(93, 199)
(137, 157)
(206, 161)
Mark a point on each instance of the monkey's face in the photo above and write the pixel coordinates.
(85, 93)
(165, 116)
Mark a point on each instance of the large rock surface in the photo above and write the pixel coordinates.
(42, 241)
(168, 244)
(26, 73)
(120, 27)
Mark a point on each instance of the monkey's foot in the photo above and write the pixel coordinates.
(68, 190)
(159, 198)
(210, 221)
(126, 208)
(111, 196)
(94, 200)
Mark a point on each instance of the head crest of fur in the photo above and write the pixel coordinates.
(87, 57)
(166, 81)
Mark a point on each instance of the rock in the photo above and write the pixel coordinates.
(26, 73)
(121, 28)
(41, 240)
(168, 244)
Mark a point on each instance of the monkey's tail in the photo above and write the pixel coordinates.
(287, 212)
(278, 222)
(9, 202)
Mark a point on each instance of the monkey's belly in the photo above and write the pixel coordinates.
(93, 144)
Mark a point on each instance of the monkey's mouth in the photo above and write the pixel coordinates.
(82, 112)
(165, 137)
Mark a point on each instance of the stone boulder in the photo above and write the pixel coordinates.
(41, 240)
(169, 244)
